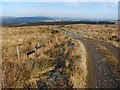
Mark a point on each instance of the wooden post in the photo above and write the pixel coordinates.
(43, 39)
(18, 54)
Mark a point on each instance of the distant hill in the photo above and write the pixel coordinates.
(45, 20)
(20, 20)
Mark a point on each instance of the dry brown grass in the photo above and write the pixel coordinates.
(108, 33)
(26, 71)
(78, 77)
(109, 55)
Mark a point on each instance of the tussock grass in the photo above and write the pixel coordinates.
(56, 52)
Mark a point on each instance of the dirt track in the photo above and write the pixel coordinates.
(103, 63)
(102, 72)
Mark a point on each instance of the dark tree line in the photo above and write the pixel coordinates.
(57, 23)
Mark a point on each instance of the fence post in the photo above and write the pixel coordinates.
(18, 54)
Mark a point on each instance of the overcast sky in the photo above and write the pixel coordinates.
(87, 10)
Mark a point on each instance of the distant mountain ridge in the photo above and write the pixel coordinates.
(18, 20)
(6, 20)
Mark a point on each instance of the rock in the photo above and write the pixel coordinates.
(42, 85)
